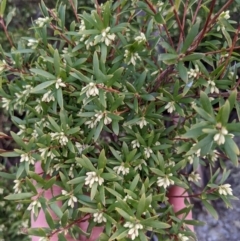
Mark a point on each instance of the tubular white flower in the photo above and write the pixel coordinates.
(34, 204)
(141, 38)
(107, 120)
(225, 190)
(41, 21)
(224, 14)
(131, 58)
(91, 178)
(194, 177)
(121, 169)
(106, 37)
(165, 181)
(127, 197)
(6, 103)
(135, 144)
(72, 200)
(26, 157)
(213, 88)
(47, 97)
(214, 155)
(220, 136)
(91, 123)
(99, 218)
(170, 107)
(17, 187)
(182, 237)
(91, 90)
(142, 122)
(147, 152)
(59, 83)
(193, 73)
(32, 43)
(133, 229)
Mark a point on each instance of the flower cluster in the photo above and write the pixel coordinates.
(34, 205)
(17, 187)
(72, 199)
(225, 190)
(59, 83)
(133, 229)
(220, 136)
(213, 88)
(105, 37)
(170, 107)
(92, 177)
(131, 57)
(99, 218)
(26, 157)
(63, 140)
(182, 237)
(42, 21)
(165, 181)
(121, 169)
(194, 177)
(91, 90)
(193, 73)
(48, 96)
(142, 122)
(141, 38)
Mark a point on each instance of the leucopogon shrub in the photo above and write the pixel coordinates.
(117, 109)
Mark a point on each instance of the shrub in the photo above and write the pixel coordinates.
(116, 110)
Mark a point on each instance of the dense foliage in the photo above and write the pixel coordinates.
(117, 109)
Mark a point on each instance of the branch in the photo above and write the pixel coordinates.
(2, 23)
(74, 10)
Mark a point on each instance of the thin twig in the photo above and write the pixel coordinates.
(74, 10)
(197, 10)
(2, 23)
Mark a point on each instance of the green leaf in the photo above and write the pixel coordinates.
(31, 186)
(190, 37)
(93, 190)
(98, 130)
(231, 149)
(60, 98)
(9, 154)
(205, 102)
(182, 70)
(223, 114)
(7, 175)
(210, 209)
(42, 86)
(85, 162)
(168, 57)
(56, 209)
(152, 222)
(227, 36)
(56, 62)
(102, 160)
(232, 99)
(205, 115)
(3, 6)
(123, 214)
(194, 56)
(49, 183)
(37, 232)
(64, 218)
(141, 206)
(61, 237)
(43, 73)
(18, 140)
(49, 219)
(77, 180)
(19, 196)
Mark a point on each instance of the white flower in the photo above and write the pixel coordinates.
(133, 229)
(90, 89)
(220, 136)
(72, 199)
(41, 21)
(44, 239)
(47, 97)
(91, 123)
(190, 159)
(214, 155)
(34, 133)
(225, 14)
(1, 190)
(213, 88)
(82, 26)
(170, 107)
(127, 197)
(130, 57)
(225, 189)
(135, 144)
(34, 204)
(106, 37)
(92, 177)
(141, 38)
(59, 83)
(63, 140)
(38, 107)
(81, 147)
(32, 43)
(160, 5)
(70, 172)
(119, 169)
(107, 120)
(165, 181)
(6, 103)
(147, 152)
(22, 129)
(194, 177)
(17, 187)
(26, 157)
(193, 73)
(98, 218)
(139, 166)
(182, 237)
(142, 122)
